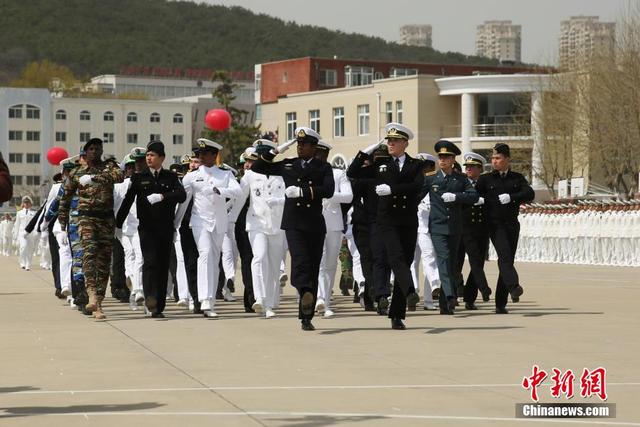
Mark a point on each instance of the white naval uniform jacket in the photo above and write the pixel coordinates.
(209, 208)
(23, 216)
(261, 216)
(130, 224)
(331, 209)
(424, 209)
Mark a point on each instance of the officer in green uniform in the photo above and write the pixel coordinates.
(448, 191)
(94, 184)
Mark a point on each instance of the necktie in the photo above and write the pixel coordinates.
(398, 163)
(155, 174)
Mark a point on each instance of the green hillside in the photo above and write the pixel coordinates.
(100, 36)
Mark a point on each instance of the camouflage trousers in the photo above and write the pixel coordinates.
(77, 275)
(97, 239)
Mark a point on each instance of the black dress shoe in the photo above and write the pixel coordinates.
(383, 306)
(59, 293)
(501, 310)
(451, 304)
(412, 301)
(157, 315)
(397, 324)
(470, 306)
(486, 293)
(307, 325)
(435, 294)
(369, 307)
(516, 291)
(249, 310)
(356, 293)
(150, 302)
(515, 299)
(219, 295)
(306, 303)
(231, 286)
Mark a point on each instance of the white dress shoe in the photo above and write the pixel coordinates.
(269, 313)
(320, 305)
(133, 305)
(182, 303)
(210, 313)
(139, 297)
(65, 291)
(228, 296)
(257, 307)
(192, 306)
(328, 314)
(205, 305)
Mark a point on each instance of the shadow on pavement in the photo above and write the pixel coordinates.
(17, 389)
(321, 420)
(26, 411)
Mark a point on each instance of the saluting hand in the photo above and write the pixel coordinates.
(373, 147)
(284, 146)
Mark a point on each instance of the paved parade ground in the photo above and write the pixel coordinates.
(59, 368)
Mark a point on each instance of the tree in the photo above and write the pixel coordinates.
(242, 132)
(46, 74)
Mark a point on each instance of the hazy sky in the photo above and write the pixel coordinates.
(453, 21)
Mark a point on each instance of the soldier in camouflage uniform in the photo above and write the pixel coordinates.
(94, 184)
(346, 267)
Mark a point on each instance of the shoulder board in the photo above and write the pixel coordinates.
(432, 173)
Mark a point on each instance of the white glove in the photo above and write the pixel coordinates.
(85, 180)
(448, 197)
(480, 202)
(63, 238)
(118, 234)
(293, 192)
(504, 198)
(155, 198)
(370, 149)
(24, 235)
(176, 236)
(285, 146)
(274, 201)
(383, 190)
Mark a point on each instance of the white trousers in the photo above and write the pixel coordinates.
(209, 245)
(426, 254)
(358, 275)
(229, 253)
(133, 261)
(181, 271)
(27, 246)
(64, 252)
(329, 265)
(268, 252)
(45, 253)
(6, 245)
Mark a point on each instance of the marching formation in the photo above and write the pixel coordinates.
(156, 233)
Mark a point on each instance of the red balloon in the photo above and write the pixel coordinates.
(218, 119)
(56, 154)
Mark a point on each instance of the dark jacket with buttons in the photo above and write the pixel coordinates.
(474, 220)
(446, 218)
(158, 216)
(491, 185)
(316, 182)
(400, 208)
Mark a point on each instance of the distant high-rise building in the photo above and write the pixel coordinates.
(583, 36)
(416, 35)
(499, 40)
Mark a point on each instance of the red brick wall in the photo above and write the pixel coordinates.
(272, 84)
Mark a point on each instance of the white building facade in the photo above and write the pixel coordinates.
(499, 40)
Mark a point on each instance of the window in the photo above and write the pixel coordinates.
(33, 112)
(388, 113)
(177, 160)
(132, 117)
(399, 111)
(358, 76)
(33, 135)
(154, 118)
(363, 119)
(15, 112)
(328, 78)
(257, 81)
(61, 136)
(85, 136)
(61, 115)
(291, 125)
(15, 135)
(285, 77)
(258, 112)
(33, 157)
(15, 157)
(33, 180)
(132, 138)
(314, 120)
(338, 121)
(85, 115)
(108, 116)
(378, 76)
(400, 72)
(177, 118)
(154, 137)
(16, 180)
(108, 137)
(178, 139)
